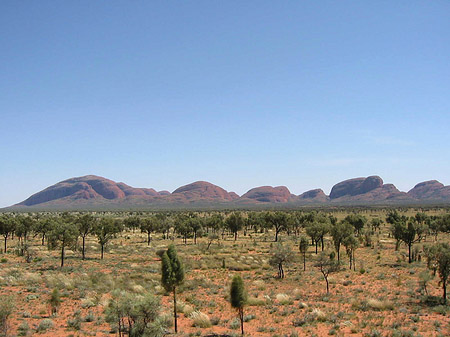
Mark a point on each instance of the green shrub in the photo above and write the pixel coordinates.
(45, 325)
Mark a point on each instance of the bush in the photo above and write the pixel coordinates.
(44, 325)
(6, 309)
(200, 319)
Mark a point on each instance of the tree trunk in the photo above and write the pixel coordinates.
(241, 317)
(444, 287)
(103, 248)
(62, 255)
(43, 238)
(323, 246)
(316, 246)
(328, 287)
(235, 236)
(276, 235)
(83, 249)
(304, 261)
(5, 236)
(195, 237)
(409, 253)
(175, 308)
(149, 238)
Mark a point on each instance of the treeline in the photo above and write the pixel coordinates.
(63, 230)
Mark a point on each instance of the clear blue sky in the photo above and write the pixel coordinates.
(239, 93)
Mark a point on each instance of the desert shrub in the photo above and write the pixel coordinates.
(23, 328)
(283, 299)
(188, 310)
(6, 309)
(255, 301)
(200, 319)
(136, 315)
(235, 324)
(45, 325)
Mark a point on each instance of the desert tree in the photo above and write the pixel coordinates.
(358, 222)
(327, 265)
(235, 222)
(214, 222)
(136, 316)
(238, 298)
(351, 244)
(7, 227)
(42, 226)
(172, 275)
(409, 233)
(438, 257)
(443, 261)
(339, 232)
(376, 224)
(303, 247)
(62, 234)
(105, 230)
(444, 223)
(277, 220)
(85, 224)
(280, 255)
(195, 224)
(148, 226)
(7, 304)
(25, 224)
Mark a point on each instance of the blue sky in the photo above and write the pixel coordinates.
(239, 93)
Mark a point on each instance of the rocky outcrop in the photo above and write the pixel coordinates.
(355, 186)
(202, 190)
(432, 189)
(269, 194)
(316, 195)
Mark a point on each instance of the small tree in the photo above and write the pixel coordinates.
(351, 244)
(172, 275)
(340, 231)
(6, 310)
(148, 226)
(235, 222)
(277, 220)
(281, 254)
(327, 265)
(303, 247)
(409, 233)
(7, 227)
(85, 225)
(105, 230)
(63, 234)
(443, 260)
(54, 301)
(238, 298)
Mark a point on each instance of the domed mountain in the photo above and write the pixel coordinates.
(86, 187)
(202, 190)
(432, 189)
(269, 194)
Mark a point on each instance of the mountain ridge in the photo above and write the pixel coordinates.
(91, 190)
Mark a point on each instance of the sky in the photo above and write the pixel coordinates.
(238, 93)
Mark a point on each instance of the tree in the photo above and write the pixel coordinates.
(238, 298)
(54, 301)
(409, 233)
(438, 259)
(172, 275)
(235, 222)
(351, 244)
(136, 316)
(105, 230)
(195, 224)
(303, 247)
(327, 265)
(7, 227)
(62, 233)
(443, 261)
(43, 226)
(25, 225)
(357, 221)
(6, 310)
(340, 231)
(376, 223)
(149, 225)
(281, 254)
(315, 231)
(277, 220)
(85, 225)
